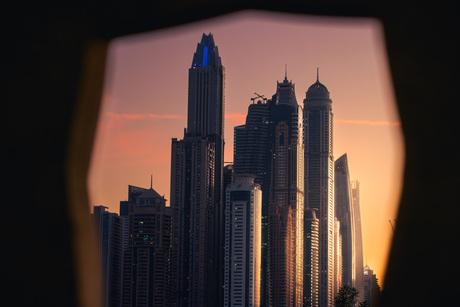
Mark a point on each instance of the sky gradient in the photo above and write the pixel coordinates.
(145, 103)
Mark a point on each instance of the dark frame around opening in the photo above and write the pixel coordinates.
(53, 60)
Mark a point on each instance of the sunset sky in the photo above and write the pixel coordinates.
(145, 103)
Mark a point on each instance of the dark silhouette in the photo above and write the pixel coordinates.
(347, 297)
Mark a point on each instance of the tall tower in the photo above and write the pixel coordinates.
(286, 197)
(344, 213)
(243, 217)
(197, 184)
(319, 180)
(358, 282)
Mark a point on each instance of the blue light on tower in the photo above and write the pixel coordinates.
(205, 56)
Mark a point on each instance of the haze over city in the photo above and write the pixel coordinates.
(145, 103)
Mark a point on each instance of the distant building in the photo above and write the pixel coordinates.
(243, 217)
(347, 210)
(133, 193)
(109, 230)
(344, 213)
(358, 241)
(147, 257)
(319, 180)
(371, 288)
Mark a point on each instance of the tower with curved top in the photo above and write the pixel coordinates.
(319, 183)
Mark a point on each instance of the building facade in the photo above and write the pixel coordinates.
(319, 180)
(147, 257)
(311, 259)
(197, 184)
(243, 218)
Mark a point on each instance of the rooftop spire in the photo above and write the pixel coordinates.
(285, 71)
(151, 181)
(206, 53)
(317, 74)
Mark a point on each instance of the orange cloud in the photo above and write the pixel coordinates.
(142, 116)
(231, 116)
(366, 122)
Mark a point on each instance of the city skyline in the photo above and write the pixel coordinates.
(134, 121)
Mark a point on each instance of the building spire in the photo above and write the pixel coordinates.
(317, 74)
(151, 181)
(285, 71)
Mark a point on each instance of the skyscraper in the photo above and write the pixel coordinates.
(344, 213)
(243, 217)
(348, 212)
(371, 292)
(109, 227)
(319, 180)
(358, 242)
(147, 258)
(196, 184)
(286, 197)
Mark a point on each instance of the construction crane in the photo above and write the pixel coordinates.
(258, 96)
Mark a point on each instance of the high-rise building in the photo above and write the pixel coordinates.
(197, 184)
(319, 180)
(344, 213)
(109, 230)
(250, 157)
(243, 218)
(147, 258)
(347, 210)
(311, 259)
(371, 288)
(286, 199)
(358, 242)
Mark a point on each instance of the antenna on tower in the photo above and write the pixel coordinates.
(151, 181)
(285, 71)
(317, 74)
